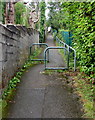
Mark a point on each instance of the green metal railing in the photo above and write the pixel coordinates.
(61, 43)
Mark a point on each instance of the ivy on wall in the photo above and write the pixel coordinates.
(82, 24)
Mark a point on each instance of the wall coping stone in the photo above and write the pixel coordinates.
(30, 31)
(6, 28)
(14, 28)
(21, 29)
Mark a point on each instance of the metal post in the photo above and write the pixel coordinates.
(64, 49)
(74, 60)
(45, 58)
(48, 55)
(68, 56)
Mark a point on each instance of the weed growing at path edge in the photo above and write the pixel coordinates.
(10, 91)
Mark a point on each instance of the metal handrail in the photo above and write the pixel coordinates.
(68, 47)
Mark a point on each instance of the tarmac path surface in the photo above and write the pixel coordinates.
(44, 96)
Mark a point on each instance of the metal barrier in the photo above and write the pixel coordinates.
(68, 47)
(55, 68)
(46, 53)
(38, 44)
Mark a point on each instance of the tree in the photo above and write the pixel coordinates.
(42, 21)
(21, 14)
(53, 20)
(58, 17)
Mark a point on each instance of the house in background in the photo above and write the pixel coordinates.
(34, 14)
(9, 14)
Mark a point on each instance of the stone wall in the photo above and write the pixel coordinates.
(14, 49)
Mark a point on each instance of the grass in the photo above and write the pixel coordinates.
(86, 92)
(10, 91)
(50, 72)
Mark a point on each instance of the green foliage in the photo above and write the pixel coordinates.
(3, 105)
(86, 91)
(78, 17)
(37, 26)
(59, 35)
(82, 25)
(21, 14)
(57, 17)
(2, 11)
(42, 21)
(11, 86)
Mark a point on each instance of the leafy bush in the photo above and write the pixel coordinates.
(79, 18)
(82, 24)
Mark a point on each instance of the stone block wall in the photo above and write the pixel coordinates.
(14, 49)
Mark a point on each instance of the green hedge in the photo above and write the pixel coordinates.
(82, 25)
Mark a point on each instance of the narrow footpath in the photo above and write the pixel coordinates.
(44, 96)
